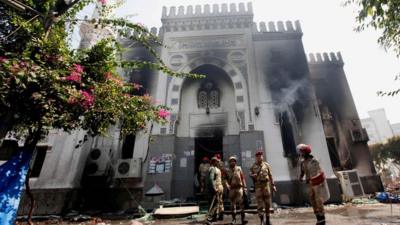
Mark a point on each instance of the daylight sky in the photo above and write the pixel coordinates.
(328, 27)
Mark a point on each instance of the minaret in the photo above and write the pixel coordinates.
(89, 33)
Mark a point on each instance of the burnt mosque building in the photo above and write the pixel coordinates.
(261, 92)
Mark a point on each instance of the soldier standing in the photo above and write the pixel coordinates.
(216, 189)
(221, 167)
(263, 182)
(236, 185)
(203, 170)
(315, 177)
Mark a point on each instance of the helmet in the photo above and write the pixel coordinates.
(303, 149)
(232, 158)
(215, 159)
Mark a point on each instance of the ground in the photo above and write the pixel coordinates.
(344, 214)
(349, 214)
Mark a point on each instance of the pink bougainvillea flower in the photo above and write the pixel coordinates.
(3, 59)
(163, 113)
(88, 99)
(78, 68)
(136, 86)
(108, 75)
(74, 76)
(103, 1)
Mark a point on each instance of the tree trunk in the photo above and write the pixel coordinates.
(5, 125)
(30, 145)
(30, 195)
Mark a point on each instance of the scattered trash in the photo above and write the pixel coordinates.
(386, 197)
(364, 201)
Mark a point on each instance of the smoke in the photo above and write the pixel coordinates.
(294, 92)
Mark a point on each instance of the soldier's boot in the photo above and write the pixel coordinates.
(261, 219)
(243, 216)
(320, 220)
(233, 219)
(221, 216)
(267, 220)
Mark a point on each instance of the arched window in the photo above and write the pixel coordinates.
(202, 99)
(208, 96)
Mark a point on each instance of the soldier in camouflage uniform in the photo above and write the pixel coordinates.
(221, 167)
(264, 185)
(236, 185)
(203, 171)
(315, 177)
(214, 185)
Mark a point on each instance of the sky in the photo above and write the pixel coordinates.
(328, 26)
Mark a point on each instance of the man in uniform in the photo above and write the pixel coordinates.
(315, 177)
(216, 189)
(221, 167)
(236, 185)
(203, 170)
(263, 182)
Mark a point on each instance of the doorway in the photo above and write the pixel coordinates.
(206, 147)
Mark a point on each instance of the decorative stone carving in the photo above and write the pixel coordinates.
(177, 60)
(216, 42)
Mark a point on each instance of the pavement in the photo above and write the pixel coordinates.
(347, 214)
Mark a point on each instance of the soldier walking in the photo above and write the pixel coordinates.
(236, 185)
(315, 177)
(215, 188)
(264, 184)
(203, 170)
(221, 167)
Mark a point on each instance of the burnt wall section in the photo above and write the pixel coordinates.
(146, 77)
(342, 126)
(182, 185)
(160, 144)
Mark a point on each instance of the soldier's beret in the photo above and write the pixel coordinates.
(259, 153)
(206, 159)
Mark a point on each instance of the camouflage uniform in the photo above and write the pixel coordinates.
(235, 180)
(317, 194)
(262, 187)
(203, 170)
(221, 167)
(215, 178)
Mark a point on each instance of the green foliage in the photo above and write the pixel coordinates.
(47, 85)
(382, 15)
(383, 153)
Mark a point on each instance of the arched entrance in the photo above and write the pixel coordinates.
(208, 112)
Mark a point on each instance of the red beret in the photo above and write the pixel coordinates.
(205, 159)
(218, 156)
(304, 149)
(259, 153)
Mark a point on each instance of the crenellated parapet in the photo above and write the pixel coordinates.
(207, 17)
(276, 30)
(325, 59)
(280, 26)
(207, 10)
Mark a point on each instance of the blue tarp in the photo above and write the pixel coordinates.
(12, 178)
(386, 197)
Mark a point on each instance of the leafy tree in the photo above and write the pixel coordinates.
(382, 154)
(382, 15)
(47, 85)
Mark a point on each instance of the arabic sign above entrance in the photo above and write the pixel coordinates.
(207, 43)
